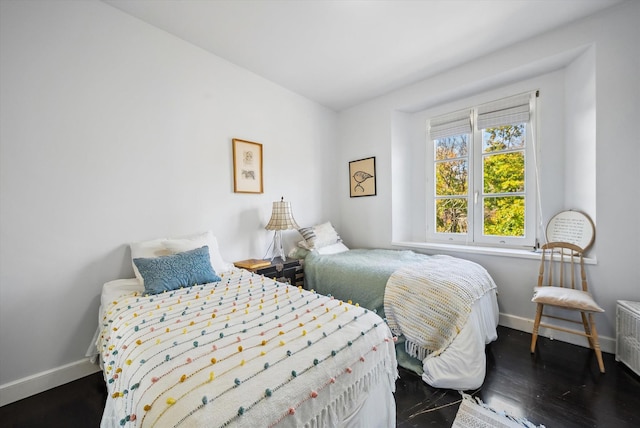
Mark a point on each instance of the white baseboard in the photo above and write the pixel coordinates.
(43, 381)
(607, 344)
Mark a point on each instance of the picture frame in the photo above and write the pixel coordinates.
(247, 166)
(362, 177)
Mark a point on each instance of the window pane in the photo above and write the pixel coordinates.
(452, 177)
(504, 216)
(451, 147)
(451, 215)
(503, 138)
(503, 173)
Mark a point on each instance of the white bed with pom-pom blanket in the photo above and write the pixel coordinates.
(246, 351)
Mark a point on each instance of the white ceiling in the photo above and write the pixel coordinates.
(343, 52)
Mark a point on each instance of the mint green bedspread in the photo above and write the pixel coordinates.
(360, 275)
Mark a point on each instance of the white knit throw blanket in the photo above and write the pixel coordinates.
(429, 302)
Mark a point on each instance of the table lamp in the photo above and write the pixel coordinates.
(281, 219)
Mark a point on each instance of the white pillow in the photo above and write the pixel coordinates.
(318, 236)
(336, 248)
(148, 250)
(298, 252)
(566, 297)
(167, 246)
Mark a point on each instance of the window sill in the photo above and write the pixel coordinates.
(469, 249)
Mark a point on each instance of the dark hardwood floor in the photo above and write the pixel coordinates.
(559, 387)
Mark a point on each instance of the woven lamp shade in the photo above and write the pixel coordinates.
(281, 217)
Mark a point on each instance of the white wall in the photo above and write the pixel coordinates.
(592, 65)
(113, 131)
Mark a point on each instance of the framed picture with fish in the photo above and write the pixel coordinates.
(362, 177)
(247, 167)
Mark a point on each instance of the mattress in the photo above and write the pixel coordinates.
(361, 276)
(244, 351)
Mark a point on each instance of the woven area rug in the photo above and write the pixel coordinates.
(473, 413)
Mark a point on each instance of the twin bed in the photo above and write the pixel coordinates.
(239, 349)
(442, 309)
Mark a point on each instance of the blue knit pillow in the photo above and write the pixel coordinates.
(185, 269)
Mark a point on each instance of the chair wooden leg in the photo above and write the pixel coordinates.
(587, 330)
(596, 343)
(536, 326)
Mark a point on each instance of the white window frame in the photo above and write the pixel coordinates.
(474, 235)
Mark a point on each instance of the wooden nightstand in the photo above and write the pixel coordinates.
(289, 270)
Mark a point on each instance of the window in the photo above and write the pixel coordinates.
(482, 169)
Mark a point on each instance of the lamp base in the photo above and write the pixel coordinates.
(277, 249)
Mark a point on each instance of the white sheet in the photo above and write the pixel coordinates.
(462, 366)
